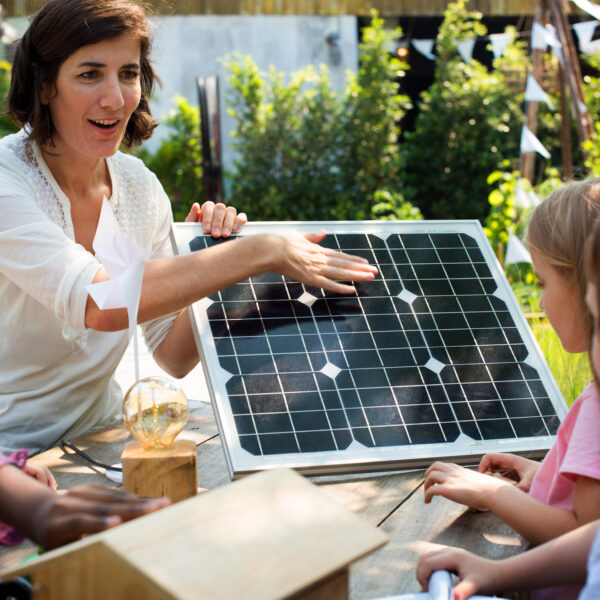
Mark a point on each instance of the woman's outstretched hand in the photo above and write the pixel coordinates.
(301, 258)
(217, 219)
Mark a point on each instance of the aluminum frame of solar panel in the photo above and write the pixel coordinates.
(405, 398)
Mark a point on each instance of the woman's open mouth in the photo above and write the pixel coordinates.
(104, 123)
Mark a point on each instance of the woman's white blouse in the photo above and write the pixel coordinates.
(56, 376)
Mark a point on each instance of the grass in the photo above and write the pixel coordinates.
(571, 371)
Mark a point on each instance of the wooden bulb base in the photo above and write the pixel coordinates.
(160, 472)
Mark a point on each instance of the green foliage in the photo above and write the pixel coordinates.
(591, 90)
(390, 206)
(7, 125)
(506, 217)
(504, 213)
(469, 122)
(178, 161)
(305, 152)
(590, 147)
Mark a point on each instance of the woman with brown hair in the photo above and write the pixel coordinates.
(80, 88)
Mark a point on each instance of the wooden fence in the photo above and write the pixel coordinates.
(304, 7)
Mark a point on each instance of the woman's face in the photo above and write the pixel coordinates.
(96, 91)
(560, 302)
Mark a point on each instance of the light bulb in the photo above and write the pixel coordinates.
(155, 410)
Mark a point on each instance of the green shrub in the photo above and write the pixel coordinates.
(469, 122)
(7, 125)
(178, 161)
(305, 152)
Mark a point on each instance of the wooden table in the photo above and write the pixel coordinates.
(392, 501)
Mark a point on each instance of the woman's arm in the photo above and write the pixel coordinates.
(52, 519)
(558, 562)
(535, 521)
(177, 354)
(171, 284)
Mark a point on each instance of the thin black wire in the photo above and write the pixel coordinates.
(64, 445)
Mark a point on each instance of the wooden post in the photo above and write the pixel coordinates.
(537, 67)
(565, 126)
(160, 472)
(585, 127)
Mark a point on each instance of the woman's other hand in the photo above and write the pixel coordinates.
(217, 219)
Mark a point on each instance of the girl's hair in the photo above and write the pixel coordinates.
(559, 229)
(593, 257)
(58, 30)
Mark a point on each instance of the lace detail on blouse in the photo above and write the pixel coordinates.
(132, 188)
(44, 194)
(131, 204)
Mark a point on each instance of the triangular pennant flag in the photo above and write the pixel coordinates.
(516, 251)
(539, 36)
(424, 47)
(522, 199)
(585, 32)
(557, 51)
(499, 42)
(534, 198)
(551, 37)
(525, 198)
(592, 47)
(535, 93)
(124, 261)
(465, 48)
(588, 7)
(529, 143)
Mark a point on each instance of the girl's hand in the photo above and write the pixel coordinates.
(516, 468)
(477, 575)
(217, 219)
(299, 257)
(461, 485)
(86, 509)
(41, 473)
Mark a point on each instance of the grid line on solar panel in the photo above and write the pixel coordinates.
(429, 319)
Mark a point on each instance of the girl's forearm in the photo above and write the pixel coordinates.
(561, 561)
(535, 521)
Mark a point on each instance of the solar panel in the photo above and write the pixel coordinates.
(431, 360)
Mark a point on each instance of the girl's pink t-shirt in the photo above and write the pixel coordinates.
(575, 452)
